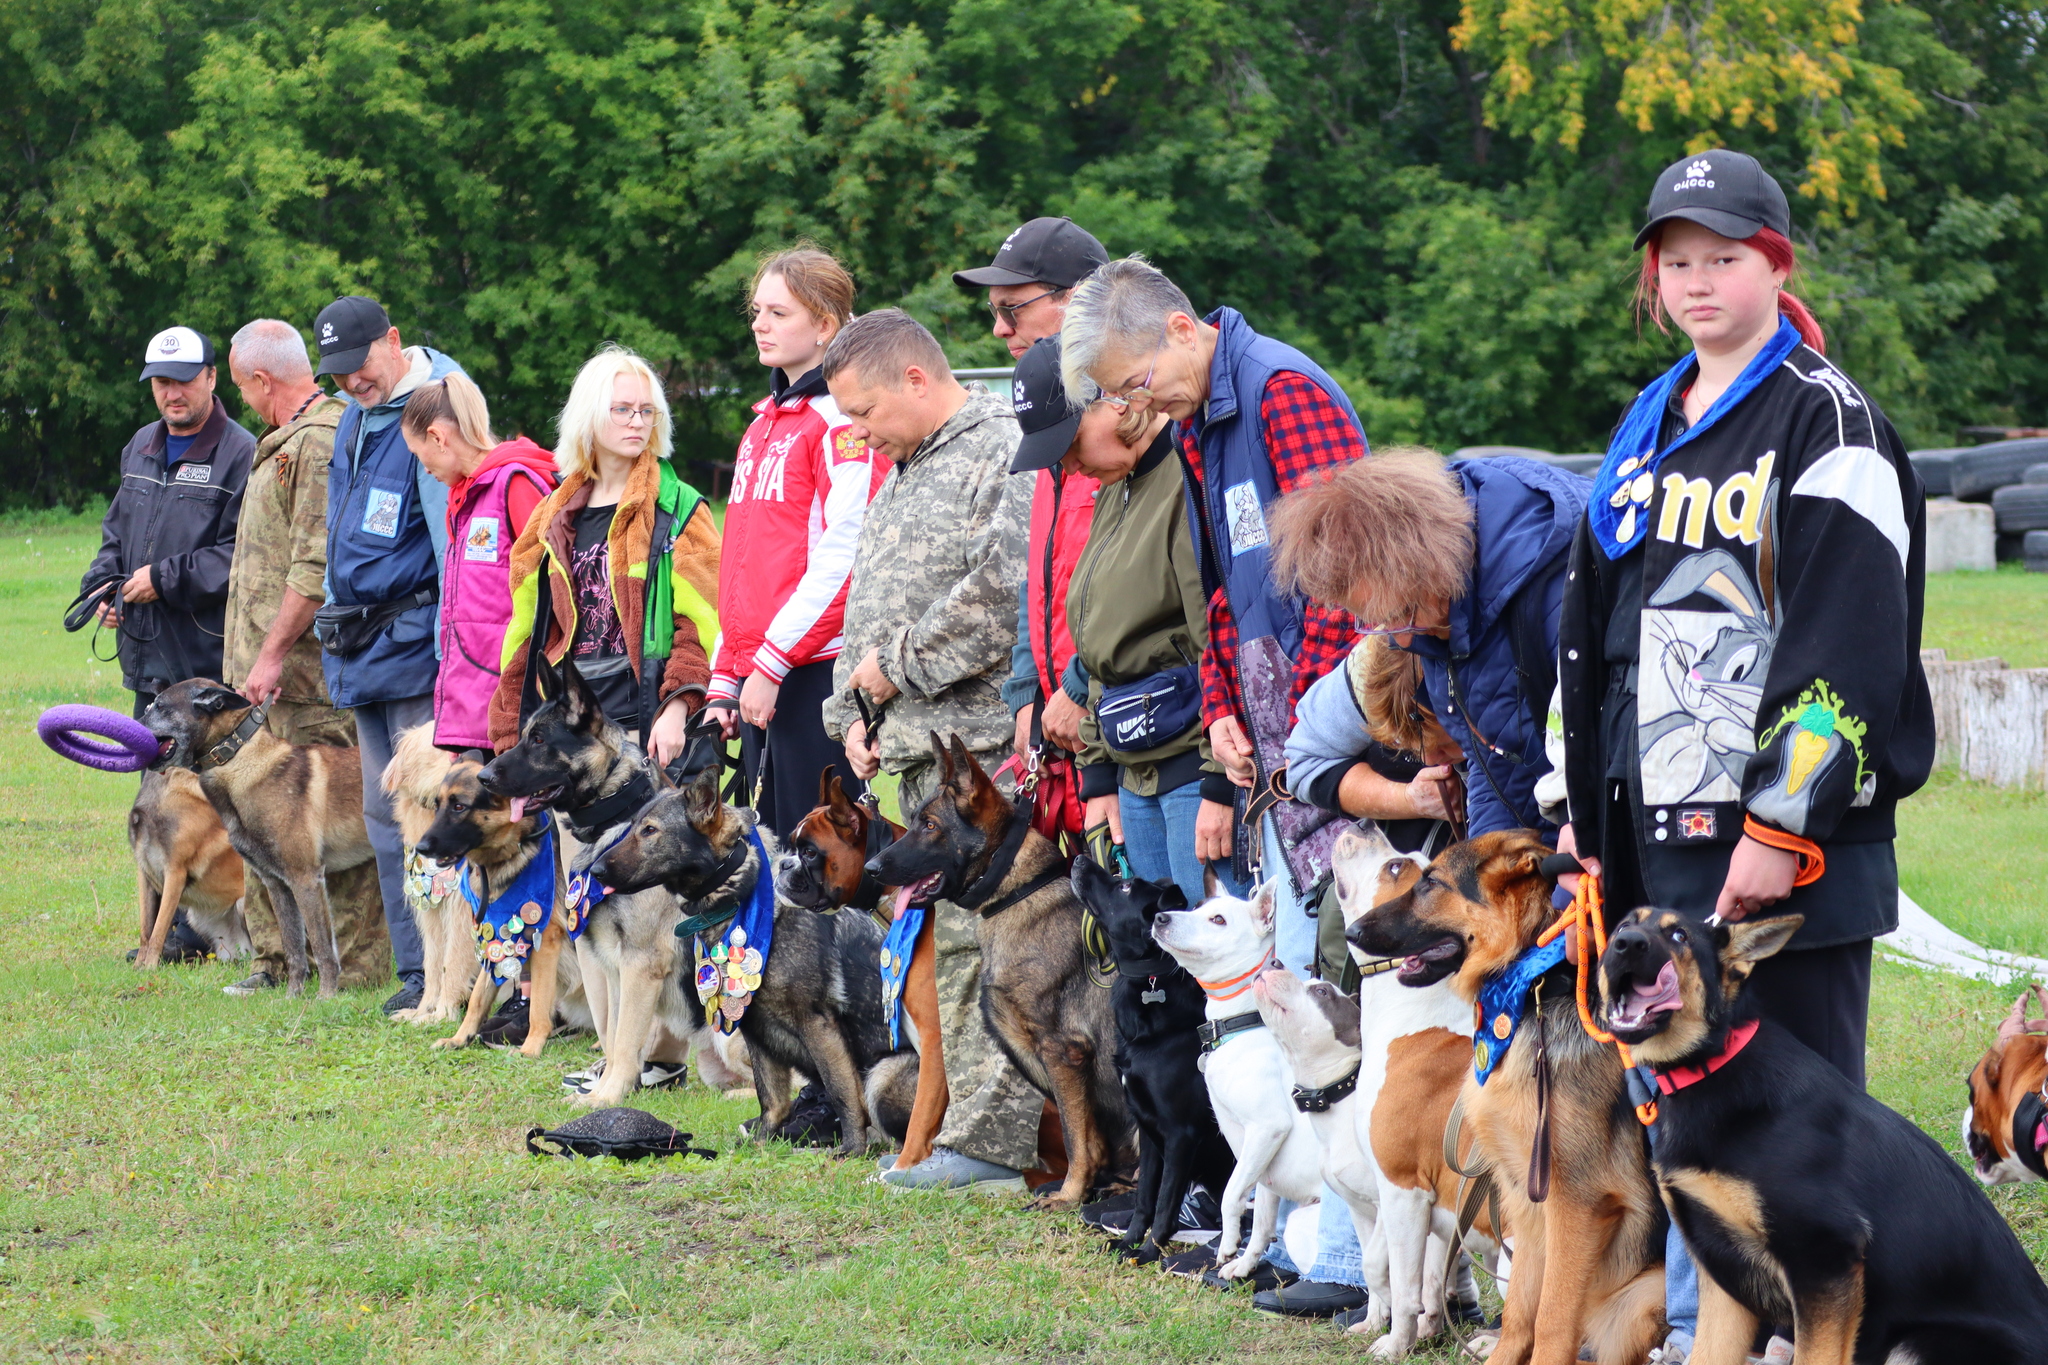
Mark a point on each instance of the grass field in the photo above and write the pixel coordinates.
(190, 1178)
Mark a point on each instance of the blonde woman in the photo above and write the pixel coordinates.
(637, 631)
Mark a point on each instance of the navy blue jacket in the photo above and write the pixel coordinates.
(1524, 514)
(386, 521)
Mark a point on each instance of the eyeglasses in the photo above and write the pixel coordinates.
(1140, 393)
(624, 413)
(1007, 312)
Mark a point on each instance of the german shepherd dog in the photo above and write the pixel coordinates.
(1589, 1258)
(1158, 1006)
(183, 858)
(293, 811)
(824, 868)
(971, 846)
(412, 779)
(476, 826)
(818, 1009)
(1803, 1199)
(575, 761)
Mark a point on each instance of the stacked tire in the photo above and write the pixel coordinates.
(1977, 473)
(2034, 550)
(1934, 468)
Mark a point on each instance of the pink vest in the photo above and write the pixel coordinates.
(476, 606)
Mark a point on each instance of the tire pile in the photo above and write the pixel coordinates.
(2010, 475)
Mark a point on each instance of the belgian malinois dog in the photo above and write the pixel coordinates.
(1589, 1257)
(818, 1008)
(183, 857)
(1803, 1199)
(578, 763)
(293, 811)
(824, 868)
(971, 846)
(476, 826)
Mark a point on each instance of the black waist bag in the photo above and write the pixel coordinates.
(628, 1134)
(347, 630)
(1152, 711)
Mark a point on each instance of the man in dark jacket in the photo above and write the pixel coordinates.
(386, 531)
(169, 533)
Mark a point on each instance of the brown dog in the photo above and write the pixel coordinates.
(824, 869)
(412, 779)
(293, 811)
(1588, 1266)
(183, 858)
(2004, 1084)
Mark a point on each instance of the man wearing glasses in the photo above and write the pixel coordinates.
(386, 531)
(1029, 282)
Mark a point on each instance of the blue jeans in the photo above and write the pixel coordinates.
(1159, 839)
(1681, 1278)
(378, 726)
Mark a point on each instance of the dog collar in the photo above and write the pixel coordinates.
(1237, 985)
(1030, 888)
(1148, 970)
(586, 822)
(2030, 1134)
(1215, 1032)
(1679, 1077)
(225, 751)
(1319, 1099)
(726, 905)
(1000, 865)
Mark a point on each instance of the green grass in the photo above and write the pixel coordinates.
(1977, 857)
(189, 1178)
(2002, 613)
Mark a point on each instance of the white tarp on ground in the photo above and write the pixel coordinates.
(1923, 941)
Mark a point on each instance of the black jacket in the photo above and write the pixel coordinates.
(1775, 604)
(181, 522)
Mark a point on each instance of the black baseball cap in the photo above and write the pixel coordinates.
(1722, 191)
(1040, 401)
(345, 331)
(1053, 250)
(178, 353)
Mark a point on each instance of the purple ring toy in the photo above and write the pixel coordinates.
(98, 738)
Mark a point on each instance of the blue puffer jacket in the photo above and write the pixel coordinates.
(1524, 513)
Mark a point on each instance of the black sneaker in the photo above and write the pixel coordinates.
(506, 1028)
(1263, 1279)
(1200, 1211)
(184, 943)
(1190, 1264)
(1309, 1299)
(1114, 1210)
(409, 995)
(812, 1121)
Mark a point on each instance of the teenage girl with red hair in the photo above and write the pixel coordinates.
(1739, 663)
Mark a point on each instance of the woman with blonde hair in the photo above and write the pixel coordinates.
(800, 492)
(618, 568)
(493, 488)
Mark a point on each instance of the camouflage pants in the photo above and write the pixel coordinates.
(993, 1111)
(353, 896)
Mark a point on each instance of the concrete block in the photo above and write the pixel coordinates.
(1960, 535)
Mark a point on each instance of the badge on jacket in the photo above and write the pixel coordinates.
(1247, 519)
(380, 513)
(481, 545)
(195, 473)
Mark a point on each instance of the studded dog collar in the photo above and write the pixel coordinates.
(1320, 1099)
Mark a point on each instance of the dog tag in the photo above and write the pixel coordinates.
(1152, 997)
(1202, 1063)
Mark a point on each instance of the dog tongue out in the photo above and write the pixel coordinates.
(518, 808)
(1642, 1000)
(902, 900)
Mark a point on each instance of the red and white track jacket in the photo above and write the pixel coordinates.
(800, 490)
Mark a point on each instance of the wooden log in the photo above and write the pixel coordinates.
(1989, 720)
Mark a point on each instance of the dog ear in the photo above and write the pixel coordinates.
(1750, 941)
(944, 759)
(1211, 886)
(839, 807)
(828, 783)
(1265, 905)
(214, 700)
(1173, 898)
(578, 701)
(966, 772)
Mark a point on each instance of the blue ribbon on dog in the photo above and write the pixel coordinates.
(585, 892)
(1503, 1001)
(729, 971)
(897, 950)
(508, 926)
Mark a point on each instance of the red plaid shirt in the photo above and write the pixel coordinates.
(1306, 435)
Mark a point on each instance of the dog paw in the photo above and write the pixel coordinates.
(1237, 1269)
(455, 1040)
(1146, 1253)
(1388, 1347)
(1481, 1347)
(1054, 1203)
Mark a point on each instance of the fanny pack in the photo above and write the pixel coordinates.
(346, 631)
(1152, 711)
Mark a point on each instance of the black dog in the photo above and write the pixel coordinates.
(1158, 1008)
(818, 1008)
(1803, 1199)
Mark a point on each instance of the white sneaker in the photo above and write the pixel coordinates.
(1673, 1352)
(579, 1082)
(1777, 1351)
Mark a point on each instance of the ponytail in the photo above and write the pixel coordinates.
(455, 400)
(1776, 249)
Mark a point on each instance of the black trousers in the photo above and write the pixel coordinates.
(1822, 997)
(784, 759)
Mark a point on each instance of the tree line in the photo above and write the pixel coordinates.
(1435, 199)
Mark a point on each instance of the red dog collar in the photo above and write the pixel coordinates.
(1679, 1077)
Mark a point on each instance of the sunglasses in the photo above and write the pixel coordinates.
(1007, 312)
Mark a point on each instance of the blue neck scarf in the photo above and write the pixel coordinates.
(585, 893)
(1502, 1003)
(897, 950)
(729, 967)
(1620, 507)
(507, 927)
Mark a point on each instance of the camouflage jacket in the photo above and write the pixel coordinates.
(282, 544)
(935, 585)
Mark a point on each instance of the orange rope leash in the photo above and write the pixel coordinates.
(1587, 915)
(1812, 862)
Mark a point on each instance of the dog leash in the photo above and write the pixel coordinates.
(1586, 918)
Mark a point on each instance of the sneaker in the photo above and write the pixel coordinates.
(1675, 1349)
(952, 1172)
(1190, 1264)
(410, 993)
(1200, 1211)
(1778, 1351)
(664, 1076)
(251, 984)
(1309, 1299)
(1351, 1317)
(579, 1082)
(1262, 1278)
(506, 1028)
(1114, 1210)
(812, 1121)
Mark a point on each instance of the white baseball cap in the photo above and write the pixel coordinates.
(177, 353)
